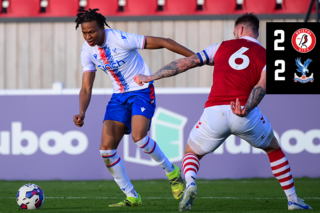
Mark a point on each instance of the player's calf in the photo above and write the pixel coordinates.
(282, 172)
(116, 168)
(190, 166)
(150, 147)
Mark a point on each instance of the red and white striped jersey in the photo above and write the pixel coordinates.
(238, 65)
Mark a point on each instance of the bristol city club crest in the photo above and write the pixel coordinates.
(303, 40)
(303, 69)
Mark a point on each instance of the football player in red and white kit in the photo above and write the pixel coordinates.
(239, 84)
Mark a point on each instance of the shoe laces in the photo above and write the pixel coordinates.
(175, 181)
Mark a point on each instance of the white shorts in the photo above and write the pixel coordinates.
(217, 123)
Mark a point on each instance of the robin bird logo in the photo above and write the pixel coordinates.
(304, 40)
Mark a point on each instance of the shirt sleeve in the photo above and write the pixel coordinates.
(130, 41)
(87, 64)
(206, 56)
(262, 59)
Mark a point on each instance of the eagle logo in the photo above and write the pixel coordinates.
(303, 69)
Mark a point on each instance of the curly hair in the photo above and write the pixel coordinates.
(90, 15)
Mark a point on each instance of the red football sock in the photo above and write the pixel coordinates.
(190, 166)
(281, 170)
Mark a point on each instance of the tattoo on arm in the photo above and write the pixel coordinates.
(174, 68)
(255, 97)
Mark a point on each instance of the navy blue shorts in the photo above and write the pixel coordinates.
(122, 106)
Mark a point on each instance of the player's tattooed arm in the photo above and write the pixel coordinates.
(256, 95)
(174, 68)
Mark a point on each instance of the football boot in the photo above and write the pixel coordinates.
(129, 201)
(300, 205)
(188, 197)
(176, 183)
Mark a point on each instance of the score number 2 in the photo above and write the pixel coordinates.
(281, 70)
(279, 62)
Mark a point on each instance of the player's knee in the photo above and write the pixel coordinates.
(108, 145)
(274, 145)
(188, 150)
(105, 147)
(138, 137)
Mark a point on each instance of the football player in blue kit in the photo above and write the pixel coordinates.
(131, 106)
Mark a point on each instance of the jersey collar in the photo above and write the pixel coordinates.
(251, 39)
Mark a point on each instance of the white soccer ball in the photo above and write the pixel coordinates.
(30, 196)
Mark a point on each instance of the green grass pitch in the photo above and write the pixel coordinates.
(244, 195)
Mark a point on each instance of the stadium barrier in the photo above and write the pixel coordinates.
(62, 8)
(33, 55)
(39, 141)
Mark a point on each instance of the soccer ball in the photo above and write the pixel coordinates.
(30, 196)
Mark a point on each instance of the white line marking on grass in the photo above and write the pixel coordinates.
(199, 182)
(247, 181)
(257, 198)
(170, 198)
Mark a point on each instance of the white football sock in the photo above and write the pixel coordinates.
(132, 193)
(293, 197)
(149, 146)
(117, 170)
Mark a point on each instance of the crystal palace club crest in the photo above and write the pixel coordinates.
(303, 69)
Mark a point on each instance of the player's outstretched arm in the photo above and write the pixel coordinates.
(84, 97)
(158, 43)
(255, 97)
(174, 68)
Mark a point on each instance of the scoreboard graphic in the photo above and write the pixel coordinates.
(293, 58)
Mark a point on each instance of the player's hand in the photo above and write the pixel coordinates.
(78, 120)
(236, 108)
(140, 79)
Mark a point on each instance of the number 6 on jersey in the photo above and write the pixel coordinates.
(239, 54)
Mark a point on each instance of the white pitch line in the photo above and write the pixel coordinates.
(170, 198)
(247, 181)
(207, 181)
